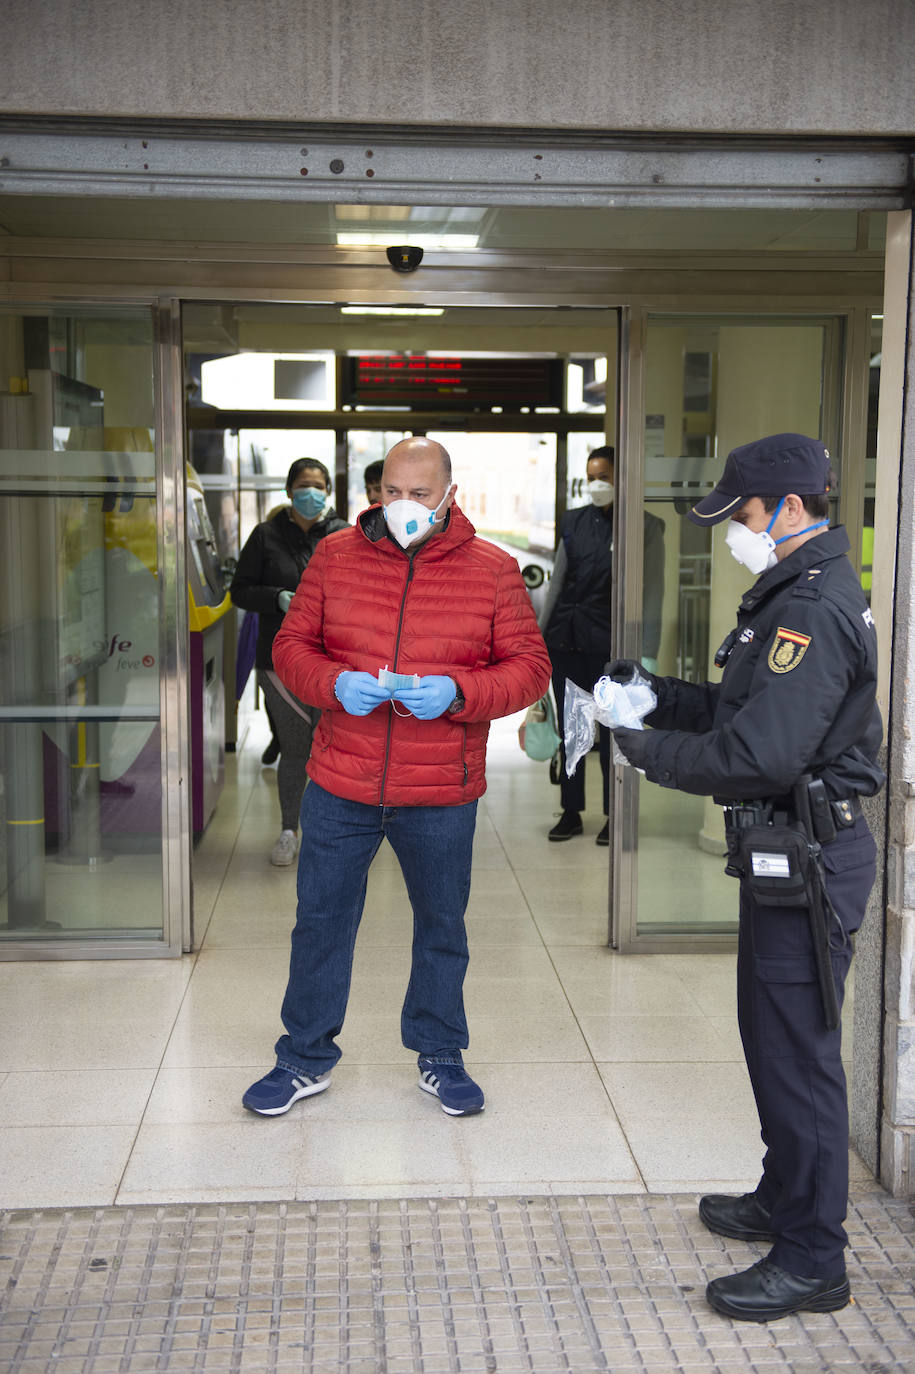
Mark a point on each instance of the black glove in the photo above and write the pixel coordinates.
(631, 744)
(624, 670)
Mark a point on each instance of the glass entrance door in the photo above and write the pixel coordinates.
(703, 385)
(81, 637)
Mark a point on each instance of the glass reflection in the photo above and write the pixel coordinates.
(711, 384)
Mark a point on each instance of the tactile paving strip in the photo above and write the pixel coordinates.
(481, 1286)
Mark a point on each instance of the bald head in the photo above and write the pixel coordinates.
(424, 449)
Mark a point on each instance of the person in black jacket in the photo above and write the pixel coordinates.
(797, 700)
(575, 620)
(267, 575)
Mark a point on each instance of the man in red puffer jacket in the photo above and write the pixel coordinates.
(413, 591)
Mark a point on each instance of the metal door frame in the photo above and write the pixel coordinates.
(845, 420)
(175, 679)
(624, 429)
(627, 435)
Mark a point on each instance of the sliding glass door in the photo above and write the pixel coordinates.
(82, 637)
(703, 384)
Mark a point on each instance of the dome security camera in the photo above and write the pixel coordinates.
(404, 257)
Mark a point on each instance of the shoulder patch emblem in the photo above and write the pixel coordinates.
(788, 648)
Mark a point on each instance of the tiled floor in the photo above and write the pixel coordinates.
(603, 1073)
(148, 1222)
(436, 1286)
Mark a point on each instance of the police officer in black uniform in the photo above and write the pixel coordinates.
(793, 721)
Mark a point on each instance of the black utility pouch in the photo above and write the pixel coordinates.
(775, 864)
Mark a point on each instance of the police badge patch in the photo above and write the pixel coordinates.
(788, 648)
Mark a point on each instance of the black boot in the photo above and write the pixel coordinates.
(741, 1218)
(569, 824)
(765, 1292)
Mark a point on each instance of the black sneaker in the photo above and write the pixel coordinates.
(569, 824)
(603, 835)
(271, 753)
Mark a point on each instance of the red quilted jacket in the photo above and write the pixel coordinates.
(457, 607)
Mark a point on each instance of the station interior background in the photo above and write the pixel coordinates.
(88, 541)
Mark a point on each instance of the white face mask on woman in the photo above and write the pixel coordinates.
(600, 492)
(410, 520)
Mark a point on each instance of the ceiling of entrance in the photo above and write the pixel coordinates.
(495, 229)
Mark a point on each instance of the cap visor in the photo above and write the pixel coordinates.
(718, 505)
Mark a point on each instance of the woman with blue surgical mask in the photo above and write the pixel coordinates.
(268, 573)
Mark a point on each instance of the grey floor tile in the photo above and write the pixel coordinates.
(62, 1166)
(75, 1097)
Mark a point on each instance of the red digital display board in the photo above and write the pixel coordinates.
(436, 383)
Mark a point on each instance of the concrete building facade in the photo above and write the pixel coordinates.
(202, 133)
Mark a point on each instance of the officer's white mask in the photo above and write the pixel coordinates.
(600, 492)
(408, 521)
(755, 549)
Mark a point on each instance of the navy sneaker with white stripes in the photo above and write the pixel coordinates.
(276, 1091)
(452, 1085)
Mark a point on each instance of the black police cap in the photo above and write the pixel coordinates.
(774, 466)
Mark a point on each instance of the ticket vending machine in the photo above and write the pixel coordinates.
(209, 604)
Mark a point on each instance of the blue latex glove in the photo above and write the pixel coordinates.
(359, 693)
(284, 601)
(431, 698)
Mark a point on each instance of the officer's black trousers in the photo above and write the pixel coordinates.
(795, 1063)
(584, 670)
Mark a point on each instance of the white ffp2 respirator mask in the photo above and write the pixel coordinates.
(755, 551)
(410, 520)
(600, 492)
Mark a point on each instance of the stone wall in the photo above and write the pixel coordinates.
(786, 66)
(898, 1126)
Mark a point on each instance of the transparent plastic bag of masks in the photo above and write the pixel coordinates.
(611, 703)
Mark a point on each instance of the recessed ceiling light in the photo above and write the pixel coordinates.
(392, 310)
(448, 243)
(389, 213)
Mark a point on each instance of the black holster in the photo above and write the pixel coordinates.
(782, 866)
(775, 864)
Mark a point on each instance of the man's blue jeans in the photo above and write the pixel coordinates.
(434, 846)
